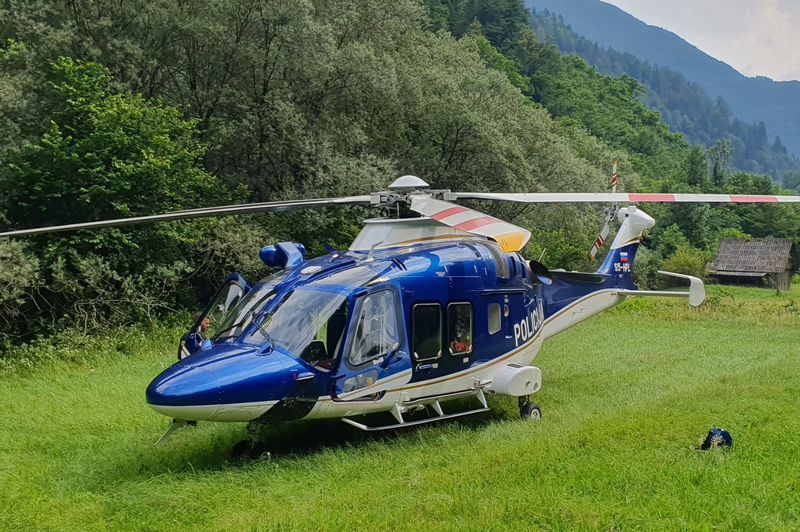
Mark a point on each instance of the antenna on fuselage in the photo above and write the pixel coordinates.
(370, 257)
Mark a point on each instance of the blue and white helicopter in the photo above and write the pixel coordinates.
(434, 305)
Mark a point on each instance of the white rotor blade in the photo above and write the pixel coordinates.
(509, 236)
(225, 210)
(605, 197)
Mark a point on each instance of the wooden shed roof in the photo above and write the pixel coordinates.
(752, 256)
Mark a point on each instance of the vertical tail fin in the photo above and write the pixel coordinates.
(619, 261)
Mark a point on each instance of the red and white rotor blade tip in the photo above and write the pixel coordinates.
(509, 236)
(604, 197)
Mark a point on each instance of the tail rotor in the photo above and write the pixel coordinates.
(609, 217)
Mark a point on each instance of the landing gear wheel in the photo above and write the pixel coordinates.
(530, 411)
(260, 451)
(241, 449)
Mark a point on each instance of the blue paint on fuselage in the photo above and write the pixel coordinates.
(222, 374)
(440, 273)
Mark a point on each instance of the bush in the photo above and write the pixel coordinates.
(109, 155)
(19, 277)
(645, 268)
(687, 261)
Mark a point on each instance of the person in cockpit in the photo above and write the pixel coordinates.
(202, 327)
(461, 342)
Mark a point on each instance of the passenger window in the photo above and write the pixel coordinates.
(459, 328)
(427, 331)
(376, 333)
(494, 318)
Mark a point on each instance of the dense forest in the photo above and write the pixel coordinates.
(683, 105)
(127, 107)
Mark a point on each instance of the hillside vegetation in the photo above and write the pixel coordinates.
(125, 108)
(624, 409)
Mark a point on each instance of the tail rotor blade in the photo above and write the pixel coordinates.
(610, 213)
(601, 238)
(614, 178)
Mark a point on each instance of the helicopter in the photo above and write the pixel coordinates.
(432, 305)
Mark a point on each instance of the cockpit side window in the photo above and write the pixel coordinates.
(376, 332)
(321, 351)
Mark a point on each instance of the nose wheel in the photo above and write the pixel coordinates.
(528, 410)
(252, 447)
(247, 449)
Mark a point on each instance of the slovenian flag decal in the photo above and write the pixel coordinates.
(623, 256)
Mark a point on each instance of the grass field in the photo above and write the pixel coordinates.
(626, 398)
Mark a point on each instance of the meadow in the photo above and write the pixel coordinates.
(627, 397)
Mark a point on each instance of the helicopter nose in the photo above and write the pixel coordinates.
(182, 393)
(223, 384)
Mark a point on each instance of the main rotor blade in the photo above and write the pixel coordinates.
(509, 236)
(206, 212)
(605, 197)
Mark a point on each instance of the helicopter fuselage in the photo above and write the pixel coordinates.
(369, 331)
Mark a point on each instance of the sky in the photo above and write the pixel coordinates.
(756, 37)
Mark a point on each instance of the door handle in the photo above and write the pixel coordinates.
(393, 358)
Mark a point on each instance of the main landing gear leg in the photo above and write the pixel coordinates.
(528, 410)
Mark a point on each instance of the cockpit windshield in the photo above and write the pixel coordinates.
(308, 323)
(241, 316)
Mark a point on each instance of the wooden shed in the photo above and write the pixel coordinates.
(754, 261)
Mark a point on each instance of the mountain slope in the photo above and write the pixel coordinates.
(751, 99)
(684, 106)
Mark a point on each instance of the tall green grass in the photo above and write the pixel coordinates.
(626, 398)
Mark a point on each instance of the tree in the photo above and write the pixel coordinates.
(107, 155)
(778, 146)
(697, 166)
(720, 155)
(498, 61)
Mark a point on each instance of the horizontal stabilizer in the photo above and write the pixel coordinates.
(696, 293)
